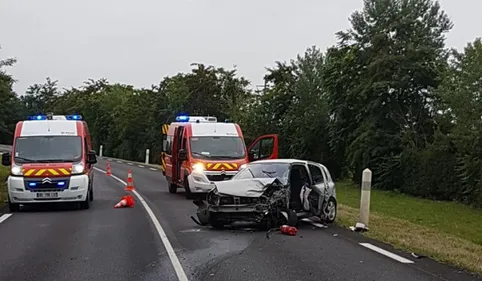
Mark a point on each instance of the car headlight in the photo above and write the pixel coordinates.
(198, 167)
(77, 169)
(242, 166)
(16, 170)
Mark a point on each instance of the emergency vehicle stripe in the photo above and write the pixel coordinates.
(53, 172)
(165, 128)
(29, 172)
(40, 172)
(163, 167)
(217, 166)
(65, 172)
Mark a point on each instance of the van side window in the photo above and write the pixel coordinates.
(164, 143)
(169, 145)
(316, 174)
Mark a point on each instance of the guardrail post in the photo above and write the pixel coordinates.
(366, 187)
(100, 150)
(147, 156)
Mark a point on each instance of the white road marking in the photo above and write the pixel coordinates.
(181, 275)
(5, 217)
(140, 166)
(118, 161)
(130, 164)
(153, 169)
(317, 224)
(192, 230)
(386, 253)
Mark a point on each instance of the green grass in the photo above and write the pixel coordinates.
(446, 231)
(4, 171)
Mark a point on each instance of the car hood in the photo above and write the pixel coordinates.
(245, 187)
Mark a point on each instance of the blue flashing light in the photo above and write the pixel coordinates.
(61, 183)
(182, 118)
(37, 117)
(32, 184)
(74, 117)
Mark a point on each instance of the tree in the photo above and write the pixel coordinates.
(391, 59)
(10, 108)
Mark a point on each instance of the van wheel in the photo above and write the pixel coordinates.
(188, 192)
(172, 188)
(14, 207)
(84, 205)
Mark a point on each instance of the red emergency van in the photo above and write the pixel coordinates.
(199, 150)
(51, 161)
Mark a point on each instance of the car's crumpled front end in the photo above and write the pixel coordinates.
(259, 201)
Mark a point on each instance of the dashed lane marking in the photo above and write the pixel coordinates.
(140, 166)
(181, 275)
(118, 161)
(4, 217)
(153, 169)
(386, 253)
(130, 164)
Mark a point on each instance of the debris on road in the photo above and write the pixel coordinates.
(359, 227)
(417, 256)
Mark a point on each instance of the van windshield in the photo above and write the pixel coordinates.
(44, 149)
(217, 147)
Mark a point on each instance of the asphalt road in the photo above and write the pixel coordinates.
(103, 243)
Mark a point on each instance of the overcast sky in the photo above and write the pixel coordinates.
(139, 42)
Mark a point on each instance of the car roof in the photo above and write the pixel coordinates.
(285, 161)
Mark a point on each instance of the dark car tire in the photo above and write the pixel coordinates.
(84, 205)
(292, 218)
(187, 190)
(13, 207)
(172, 187)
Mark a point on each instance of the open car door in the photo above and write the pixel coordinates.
(264, 147)
(165, 129)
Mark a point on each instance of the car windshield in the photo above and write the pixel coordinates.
(264, 170)
(41, 149)
(217, 147)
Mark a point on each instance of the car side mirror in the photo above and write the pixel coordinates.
(252, 156)
(182, 155)
(6, 159)
(91, 157)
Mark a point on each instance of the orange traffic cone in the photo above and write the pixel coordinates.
(126, 201)
(130, 182)
(109, 171)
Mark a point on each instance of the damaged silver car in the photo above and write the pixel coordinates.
(271, 193)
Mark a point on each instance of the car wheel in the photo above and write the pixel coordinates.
(14, 207)
(331, 210)
(172, 187)
(84, 205)
(292, 218)
(187, 191)
(91, 195)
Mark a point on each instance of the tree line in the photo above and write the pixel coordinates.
(389, 95)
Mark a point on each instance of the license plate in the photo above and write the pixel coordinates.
(47, 194)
